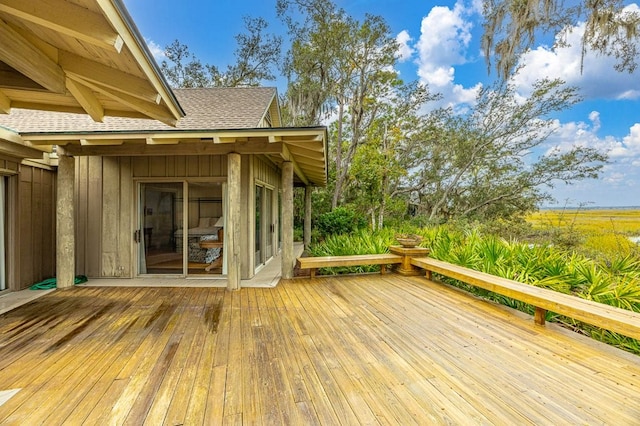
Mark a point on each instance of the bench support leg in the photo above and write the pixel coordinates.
(539, 316)
(313, 272)
(429, 275)
(383, 269)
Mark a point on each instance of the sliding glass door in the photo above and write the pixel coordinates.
(161, 215)
(180, 228)
(265, 226)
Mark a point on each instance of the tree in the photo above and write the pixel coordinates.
(257, 53)
(256, 56)
(339, 67)
(381, 164)
(182, 68)
(482, 165)
(511, 27)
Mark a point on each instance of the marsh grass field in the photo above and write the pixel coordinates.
(599, 232)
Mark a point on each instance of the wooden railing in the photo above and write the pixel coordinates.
(614, 319)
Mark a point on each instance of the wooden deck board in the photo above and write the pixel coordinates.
(363, 349)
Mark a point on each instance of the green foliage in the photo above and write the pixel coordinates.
(341, 220)
(361, 241)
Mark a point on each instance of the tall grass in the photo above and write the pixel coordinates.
(615, 282)
(601, 234)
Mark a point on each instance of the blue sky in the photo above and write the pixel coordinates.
(441, 46)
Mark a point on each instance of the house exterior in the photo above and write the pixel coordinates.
(102, 173)
(209, 197)
(84, 56)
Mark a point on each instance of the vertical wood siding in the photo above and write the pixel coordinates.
(105, 205)
(35, 225)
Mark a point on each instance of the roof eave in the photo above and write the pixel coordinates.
(119, 17)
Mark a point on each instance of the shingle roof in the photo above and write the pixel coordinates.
(205, 108)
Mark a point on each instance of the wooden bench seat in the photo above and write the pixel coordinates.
(614, 319)
(383, 259)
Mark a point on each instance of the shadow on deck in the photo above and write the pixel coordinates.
(338, 350)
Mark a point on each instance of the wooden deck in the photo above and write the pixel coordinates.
(341, 350)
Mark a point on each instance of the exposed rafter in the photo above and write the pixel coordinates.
(24, 57)
(149, 109)
(140, 54)
(94, 72)
(5, 103)
(296, 167)
(87, 99)
(66, 18)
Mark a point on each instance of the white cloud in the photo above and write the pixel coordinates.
(405, 51)
(444, 41)
(156, 50)
(595, 77)
(619, 179)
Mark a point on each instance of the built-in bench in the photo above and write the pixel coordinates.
(383, 259)
(604, 316)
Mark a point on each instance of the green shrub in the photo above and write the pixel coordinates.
(340, 220)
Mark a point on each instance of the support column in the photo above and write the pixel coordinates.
(288, 255)
(232, 230)
(307, 216)
(65, 222)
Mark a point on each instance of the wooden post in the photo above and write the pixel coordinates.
(65, 222)
(539, 316)
(307, 216)
(288, 257)
(232, 230)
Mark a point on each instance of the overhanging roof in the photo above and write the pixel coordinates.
(79, 56)
(305, 147)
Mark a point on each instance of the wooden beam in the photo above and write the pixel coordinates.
(115, 18)
(13, 145)
(91, 71)
(66, 18)
(305, 152)
(20, 54)
(86, 99)
(288, 255)
(100, 142)
(163, 141)
(149, 109)
(20, 151)
(5, 103)
(296, 167)
(12, 79)
(65, 223)
(10, 136)
(233, 226)
(110, 149)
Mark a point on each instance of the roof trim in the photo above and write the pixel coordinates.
(161, 83)
(305, 147)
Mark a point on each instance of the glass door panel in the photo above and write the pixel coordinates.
(3, 227)
(159, 237)
(258, 234)
(205, 229)
(268, 223)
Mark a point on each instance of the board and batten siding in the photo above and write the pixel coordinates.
(33, 237)
(105, 205)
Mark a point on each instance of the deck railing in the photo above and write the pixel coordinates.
(608, 317)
